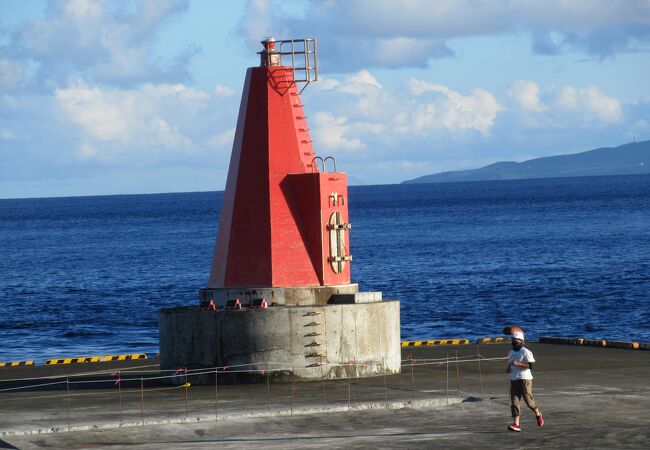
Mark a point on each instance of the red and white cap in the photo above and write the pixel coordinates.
(514, 331)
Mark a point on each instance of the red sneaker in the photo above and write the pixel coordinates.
(514, 427)
(540, 420)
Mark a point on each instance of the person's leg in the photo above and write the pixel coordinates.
(530, 400)
(515, 396)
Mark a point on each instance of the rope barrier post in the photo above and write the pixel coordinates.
(142, 399)
(216, 392)
(293, 389)
(447, 364)
(480, 374)
(413, 362)
(67, 386)
(268, 388)
(349, 387)
(356, 374)
(325, 330)
(383, 363)
(412, 374)
(119, 392)
(187, 412)
(457, 375)
(322, 375)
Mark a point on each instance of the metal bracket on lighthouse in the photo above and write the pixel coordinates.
(301, 51)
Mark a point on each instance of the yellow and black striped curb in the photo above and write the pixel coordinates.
(435, 342)
(16, 363)
(90, 359)
(633, 345)
(493, 340)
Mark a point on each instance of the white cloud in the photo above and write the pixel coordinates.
(359, 83)
(108, 43)
(105, 115)
(326, 84)
(87, 151)
(220, 89)
(591, 102)
(12, 74)
(330, 133)
(564, 106)
(402, 51)
(7, 135)
(154, 121)
(223, 140)
(357, 114)
(451, 109)
(381, 33)
(526, 94)
(362, 77)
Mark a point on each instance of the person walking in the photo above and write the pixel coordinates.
(520, 365)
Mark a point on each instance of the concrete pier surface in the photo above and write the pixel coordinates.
(590, 397)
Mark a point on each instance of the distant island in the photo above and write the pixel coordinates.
(628, 159)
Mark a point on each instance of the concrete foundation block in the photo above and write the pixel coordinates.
(357, 297)
(287, 296)
(291, 342)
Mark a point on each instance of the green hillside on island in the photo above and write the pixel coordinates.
(628, 159)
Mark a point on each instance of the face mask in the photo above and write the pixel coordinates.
(516, 346)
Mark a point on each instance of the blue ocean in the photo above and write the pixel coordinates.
(564, 257)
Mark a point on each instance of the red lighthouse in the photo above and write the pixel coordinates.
(284, 221)
(279, 296)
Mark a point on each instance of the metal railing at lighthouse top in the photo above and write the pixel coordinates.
(300, 54)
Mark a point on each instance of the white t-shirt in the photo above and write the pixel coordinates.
(519, 373)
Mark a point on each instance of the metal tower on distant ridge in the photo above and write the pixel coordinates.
(280, 272)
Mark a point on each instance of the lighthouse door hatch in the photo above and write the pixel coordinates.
(337, 229)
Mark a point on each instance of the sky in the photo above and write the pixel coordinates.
(126, 97)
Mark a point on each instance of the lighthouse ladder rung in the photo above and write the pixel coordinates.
(314, 344)
(301, 117)
(314, 365)
(303, 129)
(315, 355)
(313, 334)
(298, 105)
(313, 313)
(314, 324)
(306, 141)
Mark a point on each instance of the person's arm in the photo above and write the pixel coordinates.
(528, 361)
(523, 365)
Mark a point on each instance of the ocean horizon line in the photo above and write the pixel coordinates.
(217, 191)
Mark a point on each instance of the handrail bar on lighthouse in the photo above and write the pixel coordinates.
(309, 51)
(314, 164)
(333, 162)
(323, 161)
(308, 48)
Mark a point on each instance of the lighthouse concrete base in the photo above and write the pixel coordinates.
(289, 342)
(290, 296)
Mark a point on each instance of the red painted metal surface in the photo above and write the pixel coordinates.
(273, 227)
